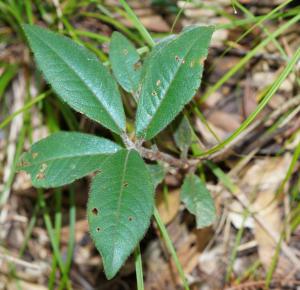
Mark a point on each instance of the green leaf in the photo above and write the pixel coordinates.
(119, 208)
(159, 46)
(183, 134)
(78, 77)
(125, 63)
(157, 173)
(172, 77)
(64, 157)
(198, 200)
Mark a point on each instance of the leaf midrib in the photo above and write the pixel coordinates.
(78, 75)
(117, 219)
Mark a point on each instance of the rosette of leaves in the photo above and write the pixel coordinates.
(121, 198)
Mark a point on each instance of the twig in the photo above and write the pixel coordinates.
(158, 155)
(19, 262)
(155, 155)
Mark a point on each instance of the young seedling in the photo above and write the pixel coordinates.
(121, 198)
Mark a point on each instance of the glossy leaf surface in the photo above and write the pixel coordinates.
(172, 76)
(125, 63)
(198, 200)
(64, 157)
(78, 77)
(119, 209)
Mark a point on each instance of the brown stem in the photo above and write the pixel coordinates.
(157, 155)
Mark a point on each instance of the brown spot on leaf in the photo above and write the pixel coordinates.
(98, 229)
(177, 58)
(40, 175)
(34, 155)
(125, 184)
(202, 60)
(23, 163)
(95, 211)
(137, 65)
(130, 218)
(43, 167)
(154, 93)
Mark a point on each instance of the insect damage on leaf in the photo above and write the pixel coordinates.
(41, 173)
(34, 155)
(125, 210)
(167, 62)
(161, 87)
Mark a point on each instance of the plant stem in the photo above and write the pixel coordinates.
(170, 247)
(27, 106)
(139, 268)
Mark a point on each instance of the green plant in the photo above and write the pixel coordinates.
(121, 199)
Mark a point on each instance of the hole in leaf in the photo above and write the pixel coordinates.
(98, 229)
(95, 211)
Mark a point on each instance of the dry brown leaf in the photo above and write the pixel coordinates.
(24, 285)
(161, 272)
(262, 181)
(81, 228)
(168, 207)
(151, 22)
(225, 121)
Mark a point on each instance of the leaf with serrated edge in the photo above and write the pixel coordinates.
(119, 208)
(78, 77)
(125, 63)
(172, 77)
(198, 200)
(64, 157)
